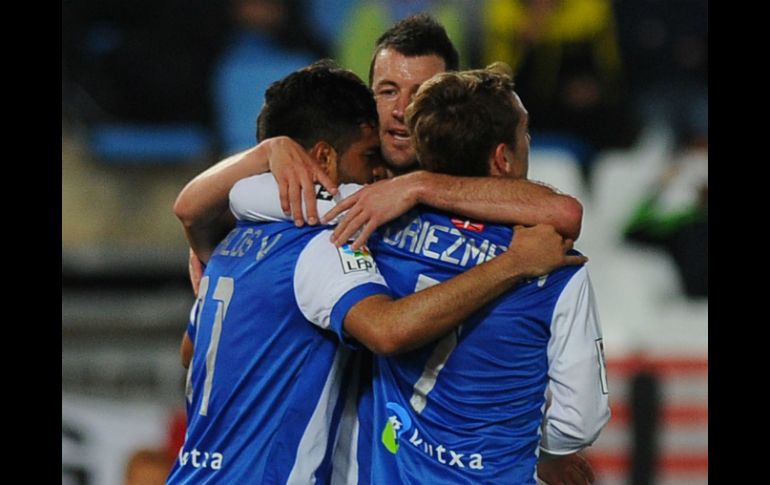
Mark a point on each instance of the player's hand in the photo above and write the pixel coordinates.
(572, 469)
(296, 173)
(541, 249)
(195, 269)
(369, 208)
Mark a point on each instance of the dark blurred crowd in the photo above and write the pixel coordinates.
(592, 73)
(587, 69)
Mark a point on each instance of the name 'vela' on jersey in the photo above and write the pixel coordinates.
(264, 387)
(468, 408)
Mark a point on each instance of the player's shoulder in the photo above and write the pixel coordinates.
(565, 274)
(316, 239)
(319, 252)
(467, 226)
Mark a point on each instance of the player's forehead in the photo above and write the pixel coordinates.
(518, 105)
(523, 113)
(393, 67)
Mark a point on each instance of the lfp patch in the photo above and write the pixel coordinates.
(355, 260)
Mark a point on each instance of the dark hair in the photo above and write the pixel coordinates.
(457, 119)
(418, 35)
(319, 102)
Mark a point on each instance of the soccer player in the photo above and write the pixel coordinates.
(406, 55)
(475, 398)
(278, 305)
(468, 408)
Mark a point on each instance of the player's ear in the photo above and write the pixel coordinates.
(500, 163)
(326, 156)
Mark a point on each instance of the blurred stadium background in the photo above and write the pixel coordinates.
(153, 92)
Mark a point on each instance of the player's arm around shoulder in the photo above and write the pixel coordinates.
(503, 200)
(491, 199)
(389, 326)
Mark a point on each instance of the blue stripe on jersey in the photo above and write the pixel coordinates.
(366, 438)
(191, 330)
(191, 321)
(344, 304)
(482, 409)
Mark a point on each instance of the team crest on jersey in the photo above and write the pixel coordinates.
(323, 194)
(468, 225)
(355, 259)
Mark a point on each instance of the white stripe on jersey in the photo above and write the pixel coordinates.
(345, 460)
(312, 447)
(433, 367)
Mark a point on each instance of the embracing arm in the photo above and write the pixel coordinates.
(202, 206)
(502, 200)
(256, 198)
(388, 326)
(492, 199)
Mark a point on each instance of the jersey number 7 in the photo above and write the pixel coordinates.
(437, 359)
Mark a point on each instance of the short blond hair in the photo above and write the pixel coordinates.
(458, 118)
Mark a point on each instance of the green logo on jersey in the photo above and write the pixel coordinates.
(398, 423)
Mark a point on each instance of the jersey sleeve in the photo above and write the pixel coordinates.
(579, 406)
(256, 198)
(329, 281)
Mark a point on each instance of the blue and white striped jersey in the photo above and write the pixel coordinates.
(269, 363)
(469, 407)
